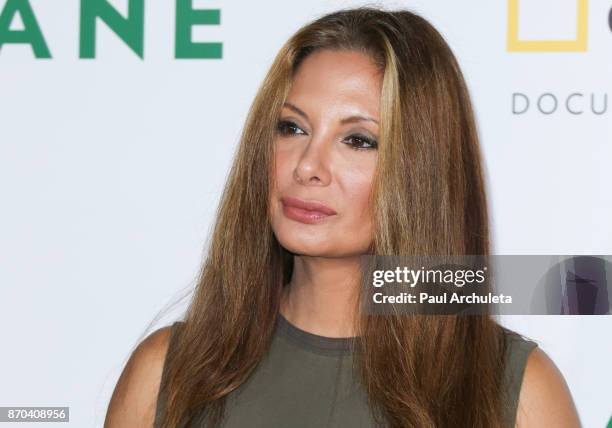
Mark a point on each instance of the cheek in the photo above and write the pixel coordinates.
(357, 185)
(357, 228)
(284, 166)
(280, 177)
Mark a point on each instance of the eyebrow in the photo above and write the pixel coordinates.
(350, 119)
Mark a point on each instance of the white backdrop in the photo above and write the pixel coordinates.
(111, 169)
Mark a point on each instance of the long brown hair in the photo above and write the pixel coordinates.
(429, 199)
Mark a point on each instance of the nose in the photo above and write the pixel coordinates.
(313, 164)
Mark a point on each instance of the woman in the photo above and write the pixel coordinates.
(361, 140)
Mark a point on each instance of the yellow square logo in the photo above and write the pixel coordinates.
(579, 44)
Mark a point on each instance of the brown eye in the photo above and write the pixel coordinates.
(286, 127)
(361, 142)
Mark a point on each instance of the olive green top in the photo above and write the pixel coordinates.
(306, 381)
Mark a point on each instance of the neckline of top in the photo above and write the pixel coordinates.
(315, 342)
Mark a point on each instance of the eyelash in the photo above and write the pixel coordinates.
(283, 125)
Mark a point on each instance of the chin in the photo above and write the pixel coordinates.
(306, 247)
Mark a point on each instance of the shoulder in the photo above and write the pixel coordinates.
(544, 398)
(133, 403)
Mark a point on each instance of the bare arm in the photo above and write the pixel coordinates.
(134, 399)
(545, 399)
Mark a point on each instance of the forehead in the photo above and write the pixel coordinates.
(341, 80)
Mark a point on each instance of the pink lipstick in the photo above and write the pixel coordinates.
(305, 211)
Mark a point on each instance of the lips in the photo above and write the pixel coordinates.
(306, 211)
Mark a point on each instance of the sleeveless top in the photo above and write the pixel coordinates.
(306, 381)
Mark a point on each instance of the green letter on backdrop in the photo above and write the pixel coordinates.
(187, 17)
(130, 30)
(30, 34)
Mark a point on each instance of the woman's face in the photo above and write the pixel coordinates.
(325, 156)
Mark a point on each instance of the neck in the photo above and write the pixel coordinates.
(321, 297)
